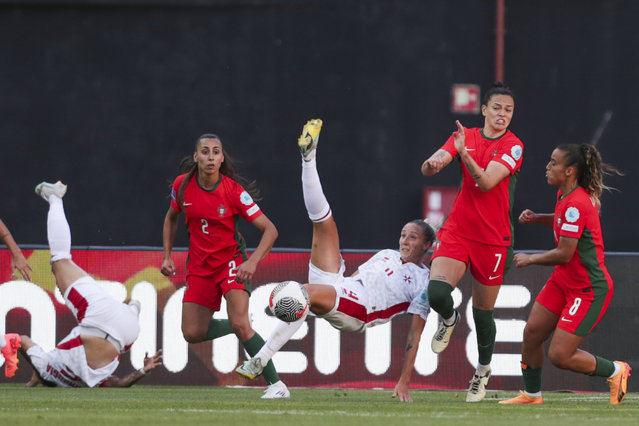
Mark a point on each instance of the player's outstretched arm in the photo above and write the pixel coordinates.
(18, 261)
(528, 216)
(557, 256)
(436, 162)
(133, 377)
(412, 345)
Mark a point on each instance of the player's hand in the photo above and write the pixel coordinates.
(527, 216)
(401, 391)
(168, 267)
(245, 271)
(522, 259)
(152, 362)
(435, 163)
(460, 138)
(19, 263)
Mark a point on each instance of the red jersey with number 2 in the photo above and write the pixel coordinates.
(577, 216)
(211, 217)
(480, 216)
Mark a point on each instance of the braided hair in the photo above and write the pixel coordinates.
(590, 168)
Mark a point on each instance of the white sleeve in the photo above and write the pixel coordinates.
(419, 305)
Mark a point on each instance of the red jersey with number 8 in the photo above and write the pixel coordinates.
(211, 217)
(480, 216)
(577, 216)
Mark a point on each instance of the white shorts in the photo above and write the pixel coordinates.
(349, 311)
(39, 358)
(318, 276)
(66, 365)
(95, 310)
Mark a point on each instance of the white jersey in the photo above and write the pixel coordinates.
(66, 365)
(393, 287)
(98, 314)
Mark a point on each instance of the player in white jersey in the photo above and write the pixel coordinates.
(390, 283)
(106, 328)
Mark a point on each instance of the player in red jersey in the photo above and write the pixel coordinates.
(579, 290)
(213, 201)
(478, 232)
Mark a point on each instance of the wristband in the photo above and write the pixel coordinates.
(142, 371)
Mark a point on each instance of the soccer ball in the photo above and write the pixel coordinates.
(289, 301)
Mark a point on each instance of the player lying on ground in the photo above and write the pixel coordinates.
(106, 328)
(373, 295)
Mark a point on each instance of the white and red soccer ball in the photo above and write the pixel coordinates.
(289, 301)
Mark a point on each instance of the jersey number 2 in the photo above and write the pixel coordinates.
(205, 225)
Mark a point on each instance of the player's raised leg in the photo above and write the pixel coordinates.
(59, 236)
(325, 246)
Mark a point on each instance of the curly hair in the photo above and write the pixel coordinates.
(590, 168)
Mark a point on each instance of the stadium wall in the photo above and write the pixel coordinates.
(109, 95)
(318, 356)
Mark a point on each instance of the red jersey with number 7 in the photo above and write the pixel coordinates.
(211, 217)
(577, 216)
(480, 216)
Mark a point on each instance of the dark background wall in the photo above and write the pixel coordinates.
(109, 96)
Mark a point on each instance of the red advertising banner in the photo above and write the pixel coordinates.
(317, 356)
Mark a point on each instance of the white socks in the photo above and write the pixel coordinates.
(2, 341)
(450, 321)
(482, 370)
(281, 334)
(617, 370)
(316, 204)
(58, 231)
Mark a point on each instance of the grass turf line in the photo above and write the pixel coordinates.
(177, 405)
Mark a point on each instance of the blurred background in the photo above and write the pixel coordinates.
(108, 96)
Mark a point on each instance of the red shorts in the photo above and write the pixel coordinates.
(488, 263)
(208, 290)
(579, 309)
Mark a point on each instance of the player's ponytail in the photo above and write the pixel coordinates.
(590, 168)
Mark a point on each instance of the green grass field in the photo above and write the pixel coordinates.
(173, 405)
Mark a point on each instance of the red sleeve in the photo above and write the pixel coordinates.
(246, 207)
(511, 154)
(449, 146)
(174, 191)
(573, 220)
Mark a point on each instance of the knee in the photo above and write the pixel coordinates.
(242, 328)
(439, 292)
(533, 336)
(559, 358)
(193, 333)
